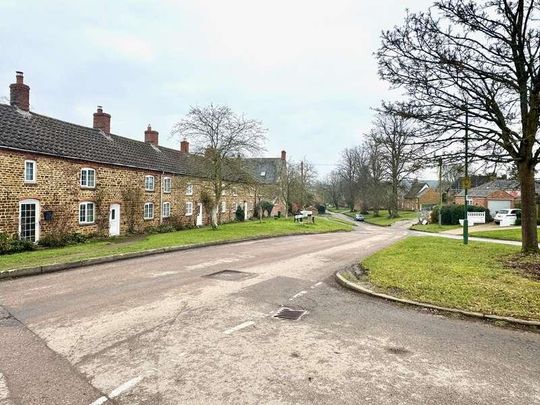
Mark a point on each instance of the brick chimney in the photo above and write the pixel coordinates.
(20, 93)
(184, 146)
(151, 136)
(102, 120)
(283, 155)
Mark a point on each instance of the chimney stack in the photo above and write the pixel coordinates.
(184, 146)
(283, 155)
(151, 136)
(102, 120)
(20, 93)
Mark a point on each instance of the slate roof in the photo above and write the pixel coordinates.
(265, 170)
(31, 132)
(487, 188)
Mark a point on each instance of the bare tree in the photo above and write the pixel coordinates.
(349, 169)
(376, 179)
(223, 139)
(333, 190)
(478, 60)
(399, 156)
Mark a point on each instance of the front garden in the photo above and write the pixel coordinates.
(235, 231)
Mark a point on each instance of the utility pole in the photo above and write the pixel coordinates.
(302, 182)
(466, 184)
(440, 191)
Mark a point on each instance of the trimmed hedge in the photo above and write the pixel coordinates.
(451, 214)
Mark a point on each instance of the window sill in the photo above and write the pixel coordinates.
(28, 182)
(148, 219)
(88, 188)
(188, 215)
(86, 223)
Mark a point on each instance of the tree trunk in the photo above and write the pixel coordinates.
(529, 238)
(394, 201)
(214, 212)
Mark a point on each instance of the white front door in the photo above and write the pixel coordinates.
(29, 214)
(246, 215)
(114, 220)
(200, 215)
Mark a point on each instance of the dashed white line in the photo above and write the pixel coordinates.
(317, 284)
(100, 400)
(239, 327)
(126, 386)
(298, 295)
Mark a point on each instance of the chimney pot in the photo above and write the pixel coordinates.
(184, 146)
(102, 120)
(283, 155)
(20, 92)
(151, 136)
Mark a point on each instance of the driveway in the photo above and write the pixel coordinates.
(167, 330)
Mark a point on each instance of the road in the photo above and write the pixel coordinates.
(163, 330)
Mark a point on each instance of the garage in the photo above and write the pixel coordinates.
(497, 205)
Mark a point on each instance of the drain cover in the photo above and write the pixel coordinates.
(290, 314)
(231, 275)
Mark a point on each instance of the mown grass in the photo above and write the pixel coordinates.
(434, 228)
(504, 234)
(383, 219)
(227, 232)
(445, 272)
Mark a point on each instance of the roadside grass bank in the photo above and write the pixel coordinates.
(501, 234)
(384, 220)
(433, 228)
(480, 277)
(227, 232)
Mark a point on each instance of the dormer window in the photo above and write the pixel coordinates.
(149, 183)
(30, 171)
(263, 174)
(88, 178)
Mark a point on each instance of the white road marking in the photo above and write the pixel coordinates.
(100, 400)
(239, 327)
(316, 285)
(4, 392)
(126, 386)
(298, 295)
(213, 263)
(165, 273)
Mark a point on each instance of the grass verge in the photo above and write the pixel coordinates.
(383, 219)
(479, 277)
(434, 228)
(504, 234)
(227, 232)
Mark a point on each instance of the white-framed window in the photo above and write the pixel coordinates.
(166, 211)
(469, 200)
(148, 211)
(235, 206)
(189, 189)
(30, 171)
(234, 191)
(189, 208)
(87, 211)
(88, 177)
(149, 183)
(167, 184)
(223, 206)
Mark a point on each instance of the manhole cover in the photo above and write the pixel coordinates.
(288, 313)
(231, 275)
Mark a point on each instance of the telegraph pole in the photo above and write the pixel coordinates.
(440, 191)
(466, 184)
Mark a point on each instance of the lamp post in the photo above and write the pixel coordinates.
(466, 182)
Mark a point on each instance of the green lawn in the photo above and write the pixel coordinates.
(384, 220)
(227, 232)
(434, 228)
(445, 272)
(505, 234)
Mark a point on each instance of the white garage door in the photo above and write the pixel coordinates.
(495, 206)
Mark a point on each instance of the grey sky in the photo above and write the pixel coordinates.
(305, 68)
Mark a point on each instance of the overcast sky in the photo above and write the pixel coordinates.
(303, 67)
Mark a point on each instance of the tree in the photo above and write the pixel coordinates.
(376, 174)
(332, 189)
(223, 140)
(348, 169)
(478, 60)
(399, 156)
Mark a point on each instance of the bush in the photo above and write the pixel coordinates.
(55, 240)
(163, 228)
(10, 245)
(451, 214)
(321, 209)
(239, 213)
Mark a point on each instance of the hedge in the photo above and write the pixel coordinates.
(451, 214)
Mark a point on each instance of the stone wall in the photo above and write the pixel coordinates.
(57, 188)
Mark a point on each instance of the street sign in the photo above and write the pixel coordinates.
(466, 183)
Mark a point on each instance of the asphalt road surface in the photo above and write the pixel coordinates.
(163, 330)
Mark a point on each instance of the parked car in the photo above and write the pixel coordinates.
(359, 217)
(502, 214)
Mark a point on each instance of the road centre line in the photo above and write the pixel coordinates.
(119, 390)
(298, 295)
(239, 327)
